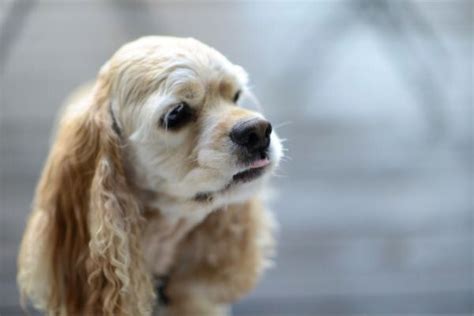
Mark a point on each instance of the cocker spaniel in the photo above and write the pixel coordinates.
(151, 190)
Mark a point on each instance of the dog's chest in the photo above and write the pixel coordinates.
(163, 232)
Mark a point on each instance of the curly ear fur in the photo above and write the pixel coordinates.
(83, 234)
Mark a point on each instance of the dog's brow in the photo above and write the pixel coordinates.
(188, 88)
(228, 87)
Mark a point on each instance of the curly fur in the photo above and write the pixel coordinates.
(91, 222)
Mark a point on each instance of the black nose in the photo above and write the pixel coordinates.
(253, 134)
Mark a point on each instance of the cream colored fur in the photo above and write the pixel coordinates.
(115, 210)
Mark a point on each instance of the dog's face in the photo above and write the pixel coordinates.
(176, 101)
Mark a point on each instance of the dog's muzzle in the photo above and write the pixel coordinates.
(252, 138)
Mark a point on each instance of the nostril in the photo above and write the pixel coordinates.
(252, 139)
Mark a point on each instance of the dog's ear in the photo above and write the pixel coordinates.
(94, 218)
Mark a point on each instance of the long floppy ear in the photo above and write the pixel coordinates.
(94, 220)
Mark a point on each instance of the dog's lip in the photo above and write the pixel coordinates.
(259, 163)
(252, 171)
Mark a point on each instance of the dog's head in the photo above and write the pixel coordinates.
(176, 102)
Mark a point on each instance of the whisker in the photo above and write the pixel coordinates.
(282, 124)
(285, 159)
(279, 175)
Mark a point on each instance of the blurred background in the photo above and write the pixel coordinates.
(374, 99)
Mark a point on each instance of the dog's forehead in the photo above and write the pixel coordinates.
(183, 68)
(178, 59)
(195, 80)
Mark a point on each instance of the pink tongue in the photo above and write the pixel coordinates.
(259, 163)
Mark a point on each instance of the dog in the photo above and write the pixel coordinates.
(151, 190)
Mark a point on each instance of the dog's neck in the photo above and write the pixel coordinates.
(174, 209)
(168, 220)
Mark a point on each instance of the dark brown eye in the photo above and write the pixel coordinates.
(177, 117)
(236, 96)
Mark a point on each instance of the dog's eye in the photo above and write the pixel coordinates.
(236, 96)
(177, 117)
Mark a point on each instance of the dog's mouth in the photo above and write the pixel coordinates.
(254, 170)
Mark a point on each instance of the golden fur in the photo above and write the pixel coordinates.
(115, 205)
